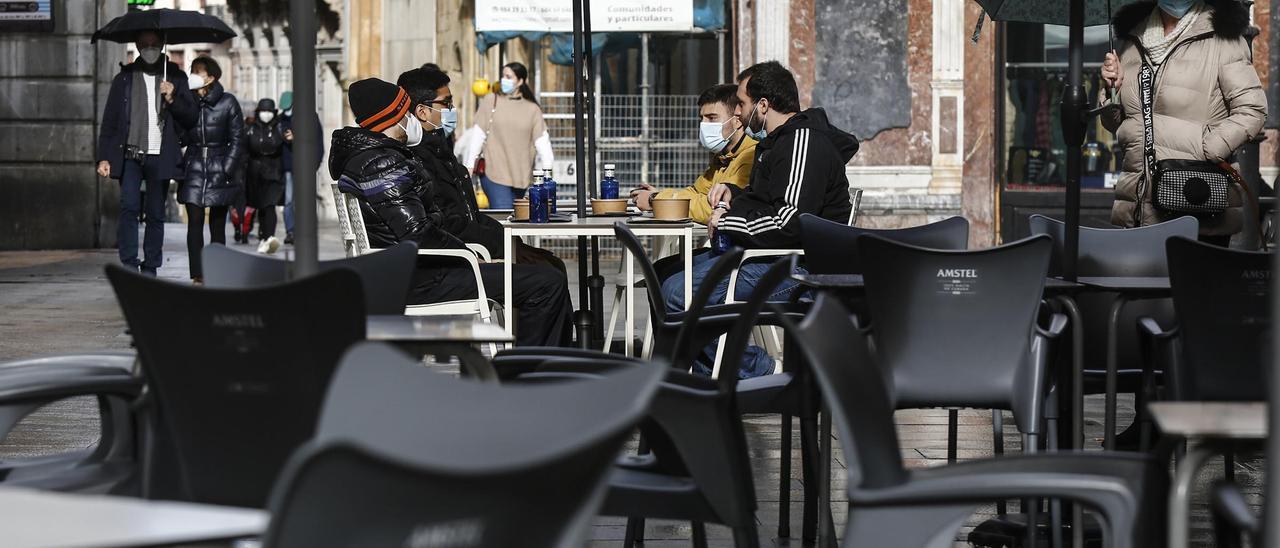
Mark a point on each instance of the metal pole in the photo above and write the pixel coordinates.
(596, 282)
(1073, 131)
(306, 136)
(581, 317)
(720, 56)
(644, 107)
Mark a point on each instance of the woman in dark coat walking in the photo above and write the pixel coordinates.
(213, 127)
(265, 175)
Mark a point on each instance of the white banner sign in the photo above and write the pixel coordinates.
(606, 15)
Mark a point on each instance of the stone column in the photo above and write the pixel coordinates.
(979, 184)
(947, 84)
(772, 31)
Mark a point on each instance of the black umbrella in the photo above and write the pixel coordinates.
(176, 26)
(1077, 14)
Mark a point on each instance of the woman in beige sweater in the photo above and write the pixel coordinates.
(510, 131)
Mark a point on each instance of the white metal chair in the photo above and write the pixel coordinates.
(356, 242)
(773, 343)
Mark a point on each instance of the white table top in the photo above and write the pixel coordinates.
(438, 329)
(1211, 420)
(589, 225)
(30, 519)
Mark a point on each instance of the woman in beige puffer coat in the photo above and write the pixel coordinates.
(1208, 99)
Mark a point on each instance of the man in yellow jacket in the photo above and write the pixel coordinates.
(733, 154)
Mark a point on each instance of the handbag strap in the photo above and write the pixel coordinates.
(1146, 77)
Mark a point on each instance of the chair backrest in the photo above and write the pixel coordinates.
(384, 274)
(839, 355)
(235, 377)
(740, 336)
(351, 222)
(1135, 252)
(1223, 303)
(435, 460)
(955, 328)
(657, 309)
(855, 203)
(832, 248)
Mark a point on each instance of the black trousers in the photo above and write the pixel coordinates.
(542, 310)
(195, 234)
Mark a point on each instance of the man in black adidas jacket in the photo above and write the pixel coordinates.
(799, 168)
(373, 162)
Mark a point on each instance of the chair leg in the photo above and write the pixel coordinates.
(635, 533)
(953, 433)
(613, 319)
(810, 461)
(997, 447)
(784, 481)
(746, 537)
(1229, 466)
(699, 534)
(1031, 507)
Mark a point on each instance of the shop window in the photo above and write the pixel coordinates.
(1033, 151)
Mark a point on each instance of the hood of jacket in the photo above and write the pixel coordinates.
(815, 119)
(350, 142)
(1229, 18)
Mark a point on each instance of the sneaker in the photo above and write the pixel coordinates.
(269, 245)
(237, 235)
(288, 239)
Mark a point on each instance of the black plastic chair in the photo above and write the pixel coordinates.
(1217, 350)
(832, 248)
(890, 505)
(432, 460)
(385, 275)
(1233, 518)
(234, 377)
(1132, 252)
(110, 465)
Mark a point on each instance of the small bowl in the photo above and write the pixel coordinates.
(601, 206)
(670, 208)
(520, 212)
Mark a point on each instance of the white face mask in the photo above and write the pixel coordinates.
(266, 116)
(195, 81)
(711, 135)
(412, 130)
(150, 55)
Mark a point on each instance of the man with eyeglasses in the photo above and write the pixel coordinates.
(428, 89)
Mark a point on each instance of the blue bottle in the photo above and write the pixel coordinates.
(608, 186)
(550, 184)
(538, 200)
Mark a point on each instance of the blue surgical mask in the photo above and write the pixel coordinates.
(759, 134)
(712, 136)
(507, 85)
(1177, 8)
(449, 120)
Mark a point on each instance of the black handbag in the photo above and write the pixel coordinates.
(1188, 187)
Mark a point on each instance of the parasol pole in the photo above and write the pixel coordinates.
(582, 318)
(306, 136)
(1073, 102)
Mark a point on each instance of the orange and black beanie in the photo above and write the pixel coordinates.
(377, 104)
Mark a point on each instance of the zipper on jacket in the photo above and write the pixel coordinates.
(204, 153)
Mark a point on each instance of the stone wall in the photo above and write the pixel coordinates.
(51, 89)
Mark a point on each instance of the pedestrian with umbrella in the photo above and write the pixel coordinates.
(138, 141)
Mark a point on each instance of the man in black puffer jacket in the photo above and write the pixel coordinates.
(373, 162)
(432, 103)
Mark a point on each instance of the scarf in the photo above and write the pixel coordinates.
(138, 118)
(1157, 42)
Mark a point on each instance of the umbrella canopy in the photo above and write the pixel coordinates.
(175, 26)
(1049, 12)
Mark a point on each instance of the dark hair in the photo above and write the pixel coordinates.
(720, 93)
(421, 83)
(523, 74)
(210, 66)
(770, 80)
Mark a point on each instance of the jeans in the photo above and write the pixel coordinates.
(195, 234)
(288, 202)
(133, 201)
(500, 196)
(755, 361)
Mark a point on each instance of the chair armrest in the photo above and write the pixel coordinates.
(1149, 327)
(465, 255)
(517, 361)
(52, 378)
(481, 251)
(1057, 325)
(1231, 510)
